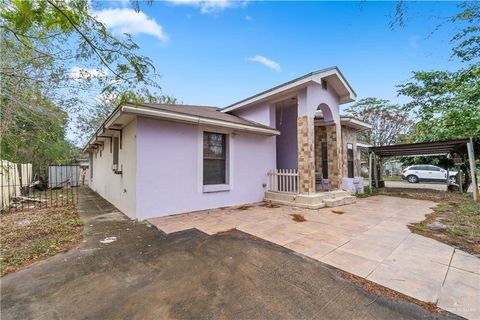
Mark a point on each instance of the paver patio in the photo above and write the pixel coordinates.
(369, 239)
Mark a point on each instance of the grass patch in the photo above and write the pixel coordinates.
(392, 179)
(368, 192)
(31, 235)
(457, 213)
(298, 217)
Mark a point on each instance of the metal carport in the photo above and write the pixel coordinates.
(434, 148)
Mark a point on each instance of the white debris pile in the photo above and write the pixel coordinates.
(108, 240)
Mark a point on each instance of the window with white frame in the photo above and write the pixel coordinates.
(214, 158)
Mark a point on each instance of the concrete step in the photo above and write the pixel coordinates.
(340, 201)
(311, 201)
(314, 201)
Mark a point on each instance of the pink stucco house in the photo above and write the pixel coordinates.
(288, 144)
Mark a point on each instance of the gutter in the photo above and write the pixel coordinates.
(196, 120)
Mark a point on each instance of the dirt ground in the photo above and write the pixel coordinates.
(143, 274)
(34, 234)
(454, 221)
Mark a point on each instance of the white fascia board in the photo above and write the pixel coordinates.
(112, 120)
(259, 98)
(345, 98)
(302, 82)
(355, 123)
(196, 120)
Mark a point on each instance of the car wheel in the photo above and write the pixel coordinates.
(453, 179)
(412, 178)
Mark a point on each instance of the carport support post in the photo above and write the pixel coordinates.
(473, 169)
(370, 171)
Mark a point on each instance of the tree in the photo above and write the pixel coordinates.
(446, 104)
(466, 41)
(94, 115)
(389, 122)
(58, 49)
(60, 41)
(36, 134)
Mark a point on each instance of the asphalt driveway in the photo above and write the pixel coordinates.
(145, 274)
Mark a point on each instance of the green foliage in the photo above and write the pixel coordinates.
(55, 55)
(389, 122)
(368, 192)
(447, 104)
(36, 133)
(58, 35)
(467, 40)
(93, 116)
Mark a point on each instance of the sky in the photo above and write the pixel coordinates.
(216, 53)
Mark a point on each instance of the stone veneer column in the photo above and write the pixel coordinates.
(334, 143)
(306, 154)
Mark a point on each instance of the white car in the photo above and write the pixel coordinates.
(427, 172)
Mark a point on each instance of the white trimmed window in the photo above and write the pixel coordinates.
(215, 158)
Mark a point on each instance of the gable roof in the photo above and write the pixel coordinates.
(207, 112)
(199, 115)
(332, 74)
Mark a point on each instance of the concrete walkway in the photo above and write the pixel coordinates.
(369, 239)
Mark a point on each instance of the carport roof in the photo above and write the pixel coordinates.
(418, 149)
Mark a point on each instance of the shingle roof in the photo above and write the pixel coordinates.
(202, 111)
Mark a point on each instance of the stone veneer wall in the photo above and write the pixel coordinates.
(320, 137)
(349, 135)
(334, 157)
(306, 154)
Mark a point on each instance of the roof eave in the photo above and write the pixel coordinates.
(130, 109)
(296, 84)
(167, 115)
(355, 123)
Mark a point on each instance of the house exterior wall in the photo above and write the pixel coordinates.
(349, 135)
(306, 154)
(169, 168)
(119, 189)
(311, 99)
(263, 113)
(334, 150)
(286, 123)
(320, 137)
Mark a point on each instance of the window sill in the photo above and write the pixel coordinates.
(216, 188)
